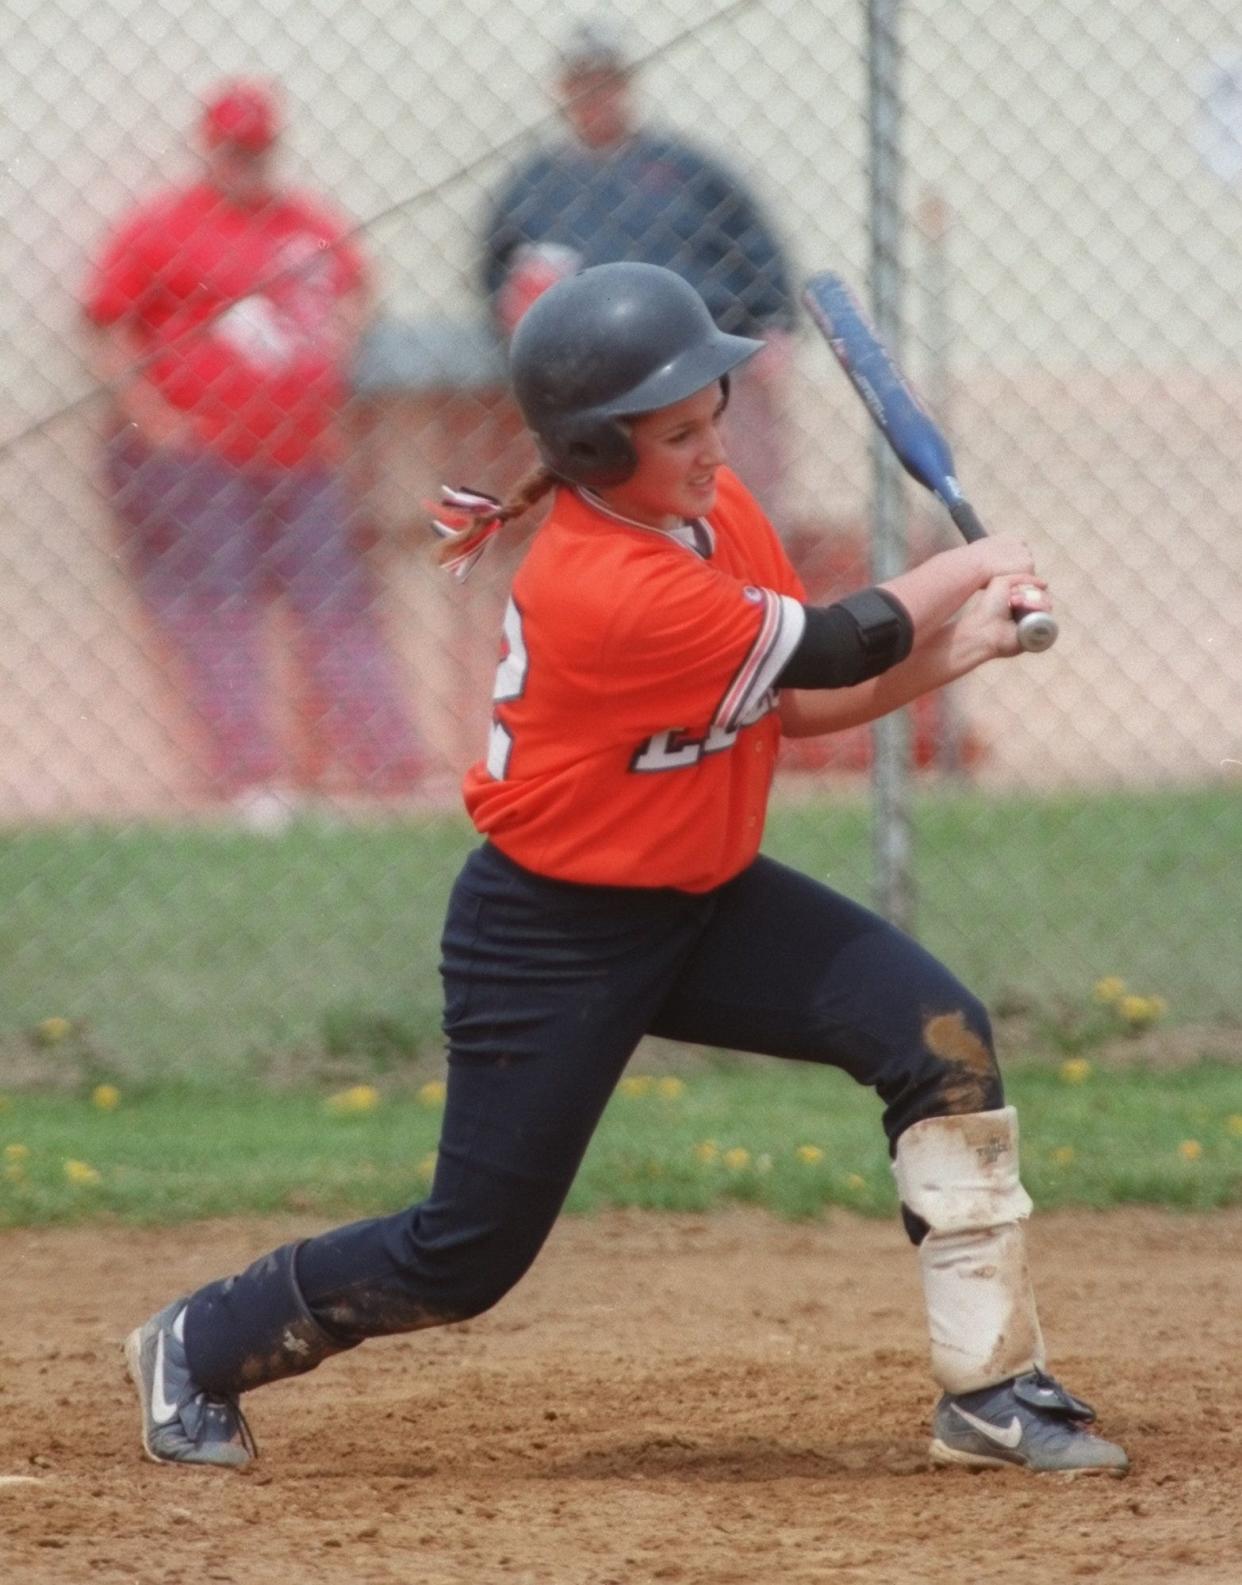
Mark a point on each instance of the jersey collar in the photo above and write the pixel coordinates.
(695, 534)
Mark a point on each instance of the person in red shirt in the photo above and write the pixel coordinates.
(656, 646)
(224, 317)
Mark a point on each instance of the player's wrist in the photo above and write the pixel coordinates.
(965, 644)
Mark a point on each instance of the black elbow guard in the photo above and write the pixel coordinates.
(849, 641)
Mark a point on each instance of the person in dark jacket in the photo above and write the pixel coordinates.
(614, 191)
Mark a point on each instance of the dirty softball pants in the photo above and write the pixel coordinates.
(548, 988)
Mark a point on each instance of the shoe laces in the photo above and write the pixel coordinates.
(1065, 1406)
(202, 1410)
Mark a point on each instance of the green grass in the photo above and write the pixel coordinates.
(188, 953)
(168, 1155)
(195, 964)
(1030, 898)
(200, 956)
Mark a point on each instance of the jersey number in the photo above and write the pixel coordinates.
(675, 749)
(510, 684)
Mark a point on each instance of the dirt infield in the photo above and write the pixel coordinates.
(731, 1400)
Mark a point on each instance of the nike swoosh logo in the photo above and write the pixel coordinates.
(1004, 1436)
(161, 1410)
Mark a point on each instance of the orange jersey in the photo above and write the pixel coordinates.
(635, 735)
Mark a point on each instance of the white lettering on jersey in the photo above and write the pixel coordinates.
(671, 750)
(293, 316)
(258, 332)
(510, 684)
(675, 748)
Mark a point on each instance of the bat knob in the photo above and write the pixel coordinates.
(1037, 631)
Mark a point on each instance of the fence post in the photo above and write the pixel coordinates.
(933, 219)
(892, 842)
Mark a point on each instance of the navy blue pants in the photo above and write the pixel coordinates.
(548, 989)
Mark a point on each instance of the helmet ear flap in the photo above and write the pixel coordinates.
(589, 450)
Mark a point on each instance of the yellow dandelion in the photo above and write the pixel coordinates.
(1110, 989)
(737, 1159)
(432, 1093)
(426, 1168)
(357, 1099)
(707, 1152)
(636, 1084)
(1062, 1155)
(106, 1097)
(1076, 1070)
(51, 1031)
(13, 1172)
(17, 1153)
(855, 1181)
(1233, 1124)
(81, 1173)
(1139, 1012)
(809, 1154)
(670, 1088)
(1190, 1150)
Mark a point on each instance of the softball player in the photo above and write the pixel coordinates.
(655, 648)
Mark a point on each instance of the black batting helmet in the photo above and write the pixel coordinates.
(604, 345)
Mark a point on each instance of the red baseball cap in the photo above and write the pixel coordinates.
(243, 114)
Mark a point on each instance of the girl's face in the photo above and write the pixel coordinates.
(679, 450)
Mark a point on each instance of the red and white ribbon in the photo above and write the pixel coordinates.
(468, 520)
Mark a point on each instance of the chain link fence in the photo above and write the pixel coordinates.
(1072, 272)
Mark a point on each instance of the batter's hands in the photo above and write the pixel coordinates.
(992, 613)
(1000, 554)
(937, 589)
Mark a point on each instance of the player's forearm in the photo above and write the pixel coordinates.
(112, 356)
(115, 359)
(110, 352)
(938, 588)
(940, 658)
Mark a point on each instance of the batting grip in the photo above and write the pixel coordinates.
(1037, 630)
(967, 520)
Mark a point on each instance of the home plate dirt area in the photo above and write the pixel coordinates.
(729, 1399)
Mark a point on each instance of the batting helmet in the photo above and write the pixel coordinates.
(607, 344)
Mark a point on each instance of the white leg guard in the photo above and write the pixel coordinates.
(959, 1176)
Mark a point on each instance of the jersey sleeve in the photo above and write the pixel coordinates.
(695, 647)
(123, 274)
